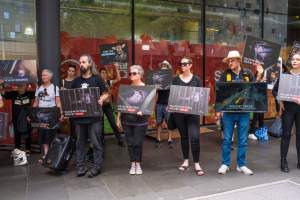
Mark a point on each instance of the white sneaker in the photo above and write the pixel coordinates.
(138, 170)
(223, 169)
(244, 170)
(252, 137)
(132, 170)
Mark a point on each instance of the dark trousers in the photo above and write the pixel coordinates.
(257, 117)
(94, 132)
(135, 139)
(189, 127)
(108, 111)
(18, 138)
(290, 115)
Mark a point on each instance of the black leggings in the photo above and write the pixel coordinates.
(188, 126)
(135, 139)
(290, 115)
(18, 138)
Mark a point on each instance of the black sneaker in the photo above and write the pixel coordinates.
(171, 144)
(81, 171)
(121, 143)
(93, 172)
(157, 145)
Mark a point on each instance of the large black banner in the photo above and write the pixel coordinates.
(133, 99)
(295, 49)
(3, 125)
(241, 97)
(289, 87)
(80, 102)
(114, 53)
(189, 100)
(259, 51)
(46, 118)
(162, 78)
(18, 71)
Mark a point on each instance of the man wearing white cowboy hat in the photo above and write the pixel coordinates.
(235, 73)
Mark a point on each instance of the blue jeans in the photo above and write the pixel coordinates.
(242, 121)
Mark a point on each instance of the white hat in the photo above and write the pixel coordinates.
(232, 54)
(165, 63)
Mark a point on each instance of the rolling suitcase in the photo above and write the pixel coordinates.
(60, 153)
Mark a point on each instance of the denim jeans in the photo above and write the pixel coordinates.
(94, 132)
(242, 121)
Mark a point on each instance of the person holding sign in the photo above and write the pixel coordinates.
(134, 125)
(89, 126)
(235, 73)
(161, 112)
(46, 96)
(187, 124)
(107, 105)
(290, 115)
(21, 100)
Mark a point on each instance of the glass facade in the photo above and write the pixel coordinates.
(149, 30)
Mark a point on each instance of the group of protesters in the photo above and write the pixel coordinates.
(135, 125)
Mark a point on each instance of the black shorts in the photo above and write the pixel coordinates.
(46, 136)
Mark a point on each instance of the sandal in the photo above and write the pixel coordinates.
(183, 168)
(199, 172)
(41, 160)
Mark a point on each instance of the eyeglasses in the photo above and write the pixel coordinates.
(133, 73)
(184, 64)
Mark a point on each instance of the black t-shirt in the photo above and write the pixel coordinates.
(19, 102)
(194, 82)
(163, 97)
(93, 81)
(245, 75)
(67, 84)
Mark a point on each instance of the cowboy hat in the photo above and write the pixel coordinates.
(232, 54)
(165, 63)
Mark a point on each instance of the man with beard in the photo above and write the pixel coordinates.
(89, 126)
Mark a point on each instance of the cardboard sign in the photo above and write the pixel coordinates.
(114, 53)
(45, 118)
(295, 49)
(133, 99)
(18, 71)
(81, 102)
(289, 87)
(3, 125)
(241, 97)
(188, 100)
(259, 51)
(161, 79)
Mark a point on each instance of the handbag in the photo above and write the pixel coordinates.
(171, 122)
(276, 128)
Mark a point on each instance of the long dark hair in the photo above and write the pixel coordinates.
(94, 70)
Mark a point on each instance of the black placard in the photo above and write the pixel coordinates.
(133, 99)
(18, 71)
(81, 102)
(162, 79)
(259, 51)
(189, 100)
(241, 97)
(46, 118)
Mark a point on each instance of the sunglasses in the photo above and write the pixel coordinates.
(45, 92)
(133, 73)
(184, 64)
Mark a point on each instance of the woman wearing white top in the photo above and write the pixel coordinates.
(46, 97)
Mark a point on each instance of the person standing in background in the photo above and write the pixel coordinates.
(107, 104)
(67, 82)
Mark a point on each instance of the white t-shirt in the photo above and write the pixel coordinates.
(46, 96)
